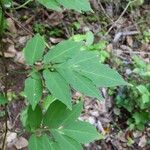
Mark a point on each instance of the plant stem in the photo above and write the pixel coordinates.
(5, 70)
(23, 5)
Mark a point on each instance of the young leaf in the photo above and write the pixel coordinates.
(34, 49)
(65, 142)
(62, 52)
(78, 5)
(79, 82)
(82, 132)
(33, 90)
(58, 115)
(58, 87)
(40, 143)
(50, 4)
(34, 117)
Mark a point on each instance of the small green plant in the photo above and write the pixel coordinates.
(136, 98)
(50, 117)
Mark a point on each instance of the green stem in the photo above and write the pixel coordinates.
(1, 21)
(23, 5)
(5, 67)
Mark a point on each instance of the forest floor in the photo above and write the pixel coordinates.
(122, 38)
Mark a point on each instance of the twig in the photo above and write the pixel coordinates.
(19, 24)
(105, 13)
(128, 50)
(24, 28)
(124, 11)
(23, 5)
(125, 33)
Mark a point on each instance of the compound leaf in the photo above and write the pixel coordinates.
(34, 49)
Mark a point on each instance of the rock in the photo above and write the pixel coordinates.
(20, 143)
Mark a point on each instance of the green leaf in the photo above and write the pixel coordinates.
(78, 5)
(33, 89)
(145, 98)
(58, 87)
(3, 100)
(143, 90)
(24, 117)
(50, 4)
(34, 49)
(62, 52)
(82, 132)
(58, 115)
(87, 64)
(89, 38)
(79, 82)
(47, 102)
(34, 117)
(40, 143)
(66, 142)
(141, 117)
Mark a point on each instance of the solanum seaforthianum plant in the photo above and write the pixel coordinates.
(51, 117)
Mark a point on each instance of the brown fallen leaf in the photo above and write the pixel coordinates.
(11, 26)
(143, 141)
(20, 143)
(129, 41)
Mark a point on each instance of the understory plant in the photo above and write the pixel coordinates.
(51, 116)
(135, 99)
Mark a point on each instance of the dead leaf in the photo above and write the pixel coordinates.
(20, 143)
(55, 40)
(129, 41)
(143, 141)
(11, 26)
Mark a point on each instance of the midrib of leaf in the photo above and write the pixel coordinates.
(35, 142)
(53, 114)
(34, 50)
(86, 86)
(86, 59)
(65, 120)
(63, 52)
(99, 75)
(76, 131)
(59, 87)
